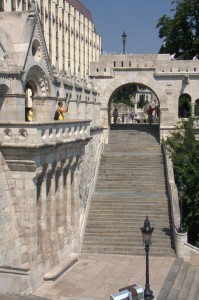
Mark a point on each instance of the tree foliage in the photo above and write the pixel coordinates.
(180, 33)
(185, 156)
(124, 95)
(142, 102)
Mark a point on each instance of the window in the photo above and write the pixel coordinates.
(184, 106)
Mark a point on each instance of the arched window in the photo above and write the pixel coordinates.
(184, 106)
(196, 108)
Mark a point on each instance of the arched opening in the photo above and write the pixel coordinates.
(30, 89)
(132, 101)
(184, 106)
(196, 108)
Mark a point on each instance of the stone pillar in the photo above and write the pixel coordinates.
(68, 205)
(60, 210)
(81, 110)
(72, 109)
(44, 229)
(52, 219)
(31, 226)
(76, 209)
(89, 112)
(193, 109)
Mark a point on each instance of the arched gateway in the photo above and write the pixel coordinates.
(168, 80)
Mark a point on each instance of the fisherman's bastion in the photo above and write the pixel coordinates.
(50, 51)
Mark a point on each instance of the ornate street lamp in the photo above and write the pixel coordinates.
(181, 193)
(147, 231)
(124, 35)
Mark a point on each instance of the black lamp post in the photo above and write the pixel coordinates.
(181, 193)
(124, 35)
(147, 231)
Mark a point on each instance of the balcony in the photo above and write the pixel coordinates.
(34, 134)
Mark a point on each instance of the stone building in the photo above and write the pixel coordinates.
(47, 168)
(69, 32)
(49, 51)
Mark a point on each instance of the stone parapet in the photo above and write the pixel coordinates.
(40, 134)
(183, 249)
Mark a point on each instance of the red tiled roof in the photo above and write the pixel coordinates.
(81, 8)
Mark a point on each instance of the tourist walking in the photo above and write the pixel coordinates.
(150, 114)
(115, 116)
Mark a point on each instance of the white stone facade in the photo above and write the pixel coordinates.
(168, 80)
(69, 32)
(48, 168)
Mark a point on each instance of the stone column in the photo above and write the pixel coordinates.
(52, 219)
(193, 109)
(89, 111)
(44, 229)
(60, 210)
(76, 209)
(81, 114)
(39, 226)
(68, 206)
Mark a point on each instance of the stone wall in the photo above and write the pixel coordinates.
(45, 193)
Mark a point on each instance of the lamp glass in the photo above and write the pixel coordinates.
(146, 235)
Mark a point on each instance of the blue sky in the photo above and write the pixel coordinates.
(137, 17)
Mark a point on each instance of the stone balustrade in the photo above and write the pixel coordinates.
(40, 134)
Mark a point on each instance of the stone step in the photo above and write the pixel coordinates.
(121, 178)
(137, 188)
(182, 282)
(130, 185)
(132, 189)
(116, 196)
(130, 164)
(125, 250)
(119, 235)
(110, 207)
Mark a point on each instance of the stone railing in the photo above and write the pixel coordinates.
(183, 249)
(40, 134)
(193, 254)
(181, 67)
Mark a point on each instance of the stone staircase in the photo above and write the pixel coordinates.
(181, 283)
(130, 185)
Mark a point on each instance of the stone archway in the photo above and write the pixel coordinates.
(131, 78)
(139, 112)
(36, 86)
(38, 80)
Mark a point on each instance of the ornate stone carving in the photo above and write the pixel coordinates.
(37, 74)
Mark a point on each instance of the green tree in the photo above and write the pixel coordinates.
(124, 95)
(185, 156)
(142, 102)
(181, 32)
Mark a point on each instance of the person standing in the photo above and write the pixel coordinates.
(30, 114)
(61, 110)
(150, 114)
(172, 56)
(195, 57)
(115, 116)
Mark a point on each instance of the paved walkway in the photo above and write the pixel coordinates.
(99, 276)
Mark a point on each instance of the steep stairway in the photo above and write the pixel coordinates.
(182, 282)
(130, 185)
